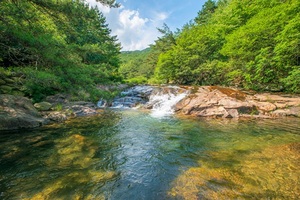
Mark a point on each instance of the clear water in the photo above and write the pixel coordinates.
(131, 155)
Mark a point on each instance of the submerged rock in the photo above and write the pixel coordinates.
(18, 112)
(269, 172)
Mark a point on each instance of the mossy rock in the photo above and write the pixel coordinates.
(6, 88)
(17, 93)
(9, 80)
(43, 106)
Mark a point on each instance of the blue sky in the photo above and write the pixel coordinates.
(135, 23)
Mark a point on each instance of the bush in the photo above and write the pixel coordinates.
(137, 80)
(39, 84)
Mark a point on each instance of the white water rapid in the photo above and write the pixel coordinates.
(165, 99)
(161, 100)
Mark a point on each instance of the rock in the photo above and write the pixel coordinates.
(231, 113)
(294, 111)
(18, 112)
(133, 96)
(57, 99)
(79, 110)
(56, 116)
(232, 103)
(217, 101)
(17, 93)
(265, 106)
(280, 105)
(43, 106)
(5, 89)
(216, 111)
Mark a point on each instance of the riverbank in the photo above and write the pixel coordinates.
(215, 101)
(17, 112)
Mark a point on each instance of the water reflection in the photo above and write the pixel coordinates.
(131, 155)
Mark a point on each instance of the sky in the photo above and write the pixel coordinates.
(135, 22)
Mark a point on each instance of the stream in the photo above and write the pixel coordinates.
(127, 154)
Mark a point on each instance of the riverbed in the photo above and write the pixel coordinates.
(132, 154)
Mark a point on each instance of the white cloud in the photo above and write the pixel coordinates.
(133, 31)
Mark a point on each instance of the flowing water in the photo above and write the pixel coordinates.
(132, 154)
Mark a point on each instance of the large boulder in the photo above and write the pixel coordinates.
(210, 101)
(17, 112)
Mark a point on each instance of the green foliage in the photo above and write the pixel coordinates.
(61, 46)
(58, 107)
(293, 80)
(206, 12)
(137, 66)
(137, 80)
(252, 44)
(39, 84)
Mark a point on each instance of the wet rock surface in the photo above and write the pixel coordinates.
(65, 109)
(138, 95)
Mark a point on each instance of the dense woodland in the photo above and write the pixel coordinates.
(65, 46)
(250, 44)
(59, 46)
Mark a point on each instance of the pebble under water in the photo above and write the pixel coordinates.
(130, 154)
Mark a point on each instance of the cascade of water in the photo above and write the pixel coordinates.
(132, 97)
(165, 99)
(160, 100)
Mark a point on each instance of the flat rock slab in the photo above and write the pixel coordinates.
(215, 101)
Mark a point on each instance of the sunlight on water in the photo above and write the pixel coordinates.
(131, 155)
(270, 173)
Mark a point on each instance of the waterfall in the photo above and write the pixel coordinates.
(160, 100)
(164, 99)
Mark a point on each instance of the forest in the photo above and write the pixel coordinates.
(59, 46)
(65, 46)
(249, 44)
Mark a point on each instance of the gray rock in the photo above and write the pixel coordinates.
(5, 89)
(56, 116)
(43, 106)
(79, 110)
(57, 99)
(18, 112)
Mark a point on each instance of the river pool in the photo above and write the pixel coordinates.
(129, 154)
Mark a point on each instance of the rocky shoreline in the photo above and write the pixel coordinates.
(215, 101)
(17, 112)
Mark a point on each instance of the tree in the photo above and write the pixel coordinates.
(206, 12)
(66, 39)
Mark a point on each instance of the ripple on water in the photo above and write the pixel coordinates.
(131, 155)
(270, 173)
